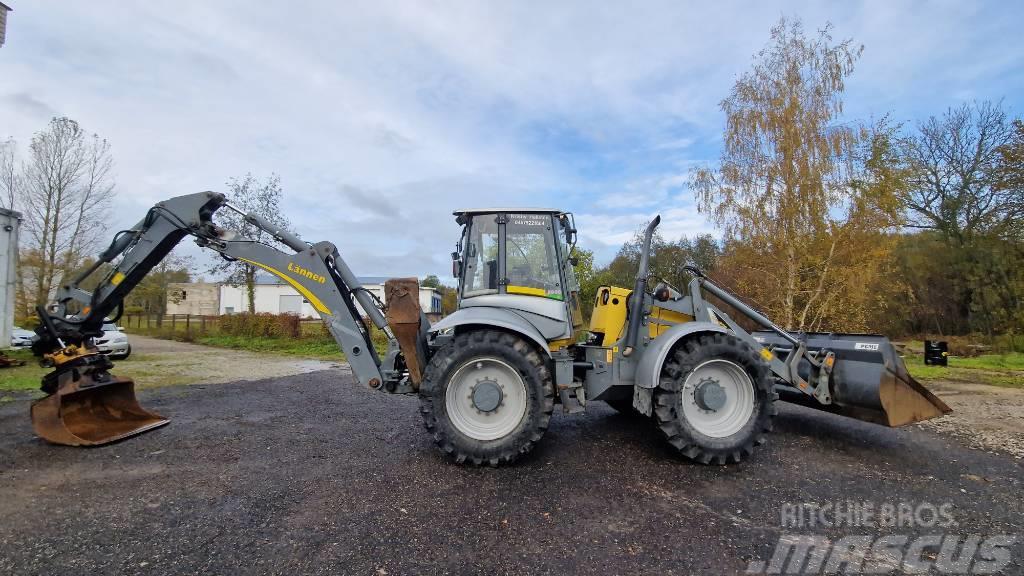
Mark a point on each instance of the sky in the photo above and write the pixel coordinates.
(381, 117)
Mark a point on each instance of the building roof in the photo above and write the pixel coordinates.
(6, 7)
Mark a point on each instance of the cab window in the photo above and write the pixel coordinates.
(531, 260)
(481, 261)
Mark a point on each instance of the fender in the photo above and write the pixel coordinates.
(497, 317)
(648, 371)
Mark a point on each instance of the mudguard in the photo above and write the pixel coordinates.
(493, 317)
(648, 370)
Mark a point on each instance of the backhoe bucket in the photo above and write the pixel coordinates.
(869, 380)
(84, 412)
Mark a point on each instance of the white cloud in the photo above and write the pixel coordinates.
(383, 117)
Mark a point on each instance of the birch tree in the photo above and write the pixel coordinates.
(799, 203)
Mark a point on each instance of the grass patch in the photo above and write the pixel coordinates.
(22, 377)
(1005, 370)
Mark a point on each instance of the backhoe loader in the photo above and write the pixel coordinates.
(489, 374)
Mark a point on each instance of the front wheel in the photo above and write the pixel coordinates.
(486, 397)
(715, 400)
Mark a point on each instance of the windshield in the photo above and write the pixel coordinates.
(482, 257)
(531, 258)
(108, 327)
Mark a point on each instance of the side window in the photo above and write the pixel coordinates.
(481, 260)
(531, 260)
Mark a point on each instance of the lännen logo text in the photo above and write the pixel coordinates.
(303, 272)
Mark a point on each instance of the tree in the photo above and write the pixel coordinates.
(1009, 177)
(431, 281)
(965, 192)
(801, 196)
(263, 199)
(961, 183)
(10, 179)
(587, 278)
(65, 190)
(152, 293)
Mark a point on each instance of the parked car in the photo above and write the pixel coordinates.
(114, 342)
(21, 338)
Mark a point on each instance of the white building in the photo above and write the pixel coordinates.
(272, 295)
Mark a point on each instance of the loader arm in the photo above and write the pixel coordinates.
(316, 271)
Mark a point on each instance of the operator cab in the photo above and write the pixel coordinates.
(518, 258)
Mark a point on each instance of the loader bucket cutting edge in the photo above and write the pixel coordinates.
(79, 414)
(870, 381)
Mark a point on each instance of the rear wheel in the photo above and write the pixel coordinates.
(715, 401)
(486, 397)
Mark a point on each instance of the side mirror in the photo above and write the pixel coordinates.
(456, 265)
(573, 261)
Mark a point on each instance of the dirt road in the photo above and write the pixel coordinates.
(313, 474)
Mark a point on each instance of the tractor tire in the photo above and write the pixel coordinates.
(715, 400)
(486, 397)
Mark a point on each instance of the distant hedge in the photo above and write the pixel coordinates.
(261, 324)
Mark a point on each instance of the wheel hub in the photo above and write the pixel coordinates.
(709, 395)
(487, 396)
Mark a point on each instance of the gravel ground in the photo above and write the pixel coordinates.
(156, 362)
(313, 474)
(984, 417)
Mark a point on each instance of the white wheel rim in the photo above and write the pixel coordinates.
(491, 374)
(738, 405)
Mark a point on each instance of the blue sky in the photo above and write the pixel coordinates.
(382, 117)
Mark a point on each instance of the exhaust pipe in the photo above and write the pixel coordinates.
(636, 303)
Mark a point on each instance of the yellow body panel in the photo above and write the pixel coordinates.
(609, 316)
(661, 320)
(527, 290)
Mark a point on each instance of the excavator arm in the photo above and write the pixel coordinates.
(85, 400)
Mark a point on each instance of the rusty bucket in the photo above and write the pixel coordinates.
(87, 412)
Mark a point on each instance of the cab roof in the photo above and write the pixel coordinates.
(472, 211)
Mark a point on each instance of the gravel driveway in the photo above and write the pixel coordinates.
(156, 362)
(312, 473)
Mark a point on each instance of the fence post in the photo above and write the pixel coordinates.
(174, 321)
(202, 325)
(188, 324)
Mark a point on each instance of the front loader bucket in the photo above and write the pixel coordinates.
(85, 412)
(869, 380)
